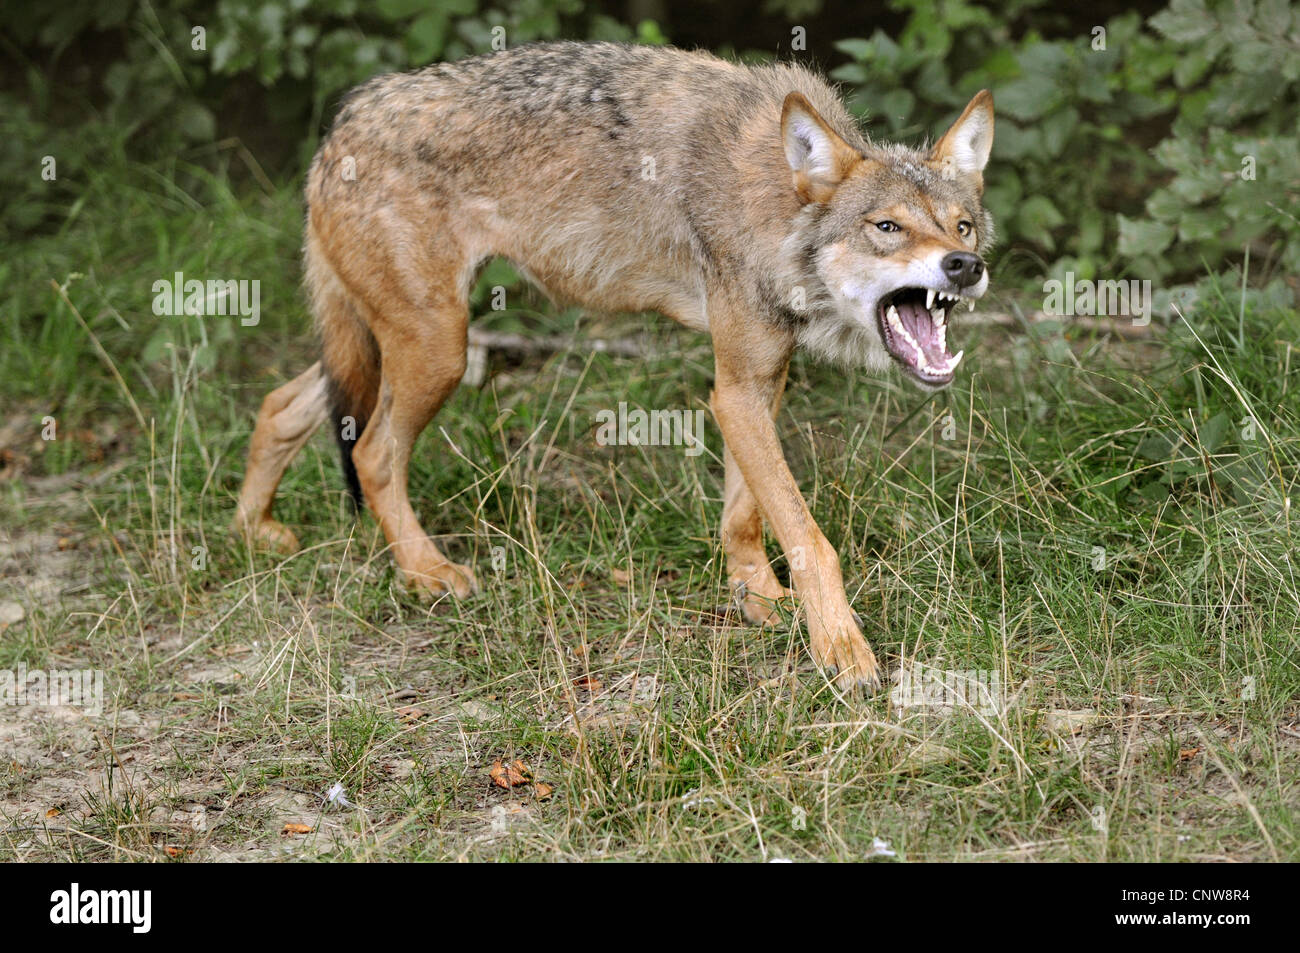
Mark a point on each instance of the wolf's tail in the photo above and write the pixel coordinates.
(350, 356)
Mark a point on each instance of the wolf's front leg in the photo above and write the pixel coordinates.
(748, 372)
(749, 573)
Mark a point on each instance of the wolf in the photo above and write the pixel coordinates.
(743, 202)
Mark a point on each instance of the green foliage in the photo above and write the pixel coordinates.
(1234, 150)
(1147, 149)
(181, 63)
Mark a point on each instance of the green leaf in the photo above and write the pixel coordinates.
(1026, 98)
(1057, 129)
(401, 9)
(854, 73)
(1143, 236)
(426, 35)
(1273, 17)
(196, 123)
(1015, 142)
(650, 33)
(1158, 445)
(1214, 433)
(1037, 217)
(896, 106)
(858, 49)
(1185, 21)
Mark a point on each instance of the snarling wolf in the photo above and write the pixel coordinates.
(741, 201)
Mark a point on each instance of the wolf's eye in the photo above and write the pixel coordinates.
(888, 226)
(964, 228)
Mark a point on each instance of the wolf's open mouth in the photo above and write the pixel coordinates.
(914, 326)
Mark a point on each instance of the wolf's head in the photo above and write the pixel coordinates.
(896, 238)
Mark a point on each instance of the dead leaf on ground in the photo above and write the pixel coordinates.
(291, 828)
(511, 776)
(543, 790)
(1187, 754)
(173, 851)
(588, 682)
(225, 651)
(620, 576)
(410, 714)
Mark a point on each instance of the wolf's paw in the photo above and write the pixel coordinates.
(844, 655)
(756, 588)
(441, 578)
(759, 603)
(267, 534)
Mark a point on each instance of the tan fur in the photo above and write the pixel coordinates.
(731, 198)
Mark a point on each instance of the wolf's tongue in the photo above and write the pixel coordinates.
(916, 319)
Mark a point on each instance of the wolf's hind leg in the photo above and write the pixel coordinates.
(290, 415)
(422, 360)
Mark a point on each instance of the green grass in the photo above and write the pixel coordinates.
(1093, 527)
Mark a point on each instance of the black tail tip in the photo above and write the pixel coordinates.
(350, 472)
(347, 431)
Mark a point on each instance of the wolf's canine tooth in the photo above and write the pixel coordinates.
(929, 299)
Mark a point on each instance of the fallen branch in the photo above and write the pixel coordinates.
(548, 344)
(1120, 327)
(480, 341)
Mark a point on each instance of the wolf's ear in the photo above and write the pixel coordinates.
(965, 147)
(818, 157)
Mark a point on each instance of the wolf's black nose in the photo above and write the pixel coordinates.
(963, 268)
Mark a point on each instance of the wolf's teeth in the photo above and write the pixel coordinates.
(943, 337)
(955, 360)
(938, 316)
(929, 299)
(894, 322)
(970, 304)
